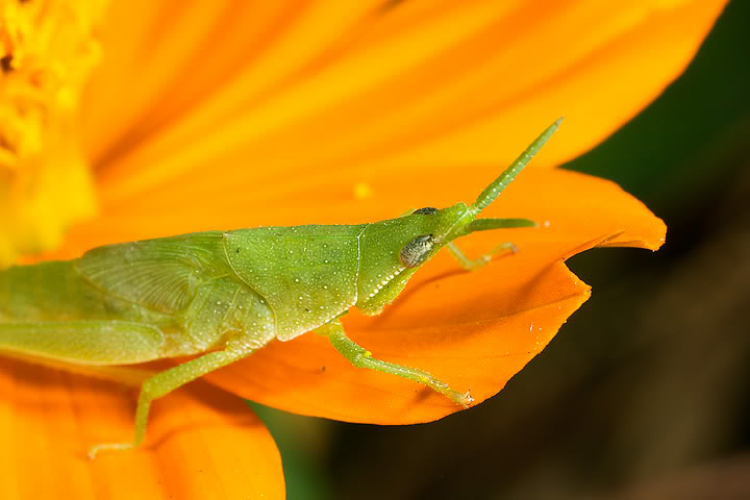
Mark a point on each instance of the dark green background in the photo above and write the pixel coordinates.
(644, 392)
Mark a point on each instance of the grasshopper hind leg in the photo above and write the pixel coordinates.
(361, 358)
(164, 383)
(218, 307)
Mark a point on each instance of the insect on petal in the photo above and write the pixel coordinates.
(474, 330)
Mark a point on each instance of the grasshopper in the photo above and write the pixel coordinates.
(224, 295)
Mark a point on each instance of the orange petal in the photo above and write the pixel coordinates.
(162, 60)
(419, 85)
(472, 330)
(201, 443)
(475, 330)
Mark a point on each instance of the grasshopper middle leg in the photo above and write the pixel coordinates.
(362, 358)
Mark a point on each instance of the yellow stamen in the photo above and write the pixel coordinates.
(47, 51)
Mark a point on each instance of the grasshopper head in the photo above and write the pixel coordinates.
(460, 220)
(393, 250)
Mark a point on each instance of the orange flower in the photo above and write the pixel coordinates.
(224, 116)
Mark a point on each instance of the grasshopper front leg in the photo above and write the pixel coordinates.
(472, 264)
(486, 225)
(362, 358)
(164, 383)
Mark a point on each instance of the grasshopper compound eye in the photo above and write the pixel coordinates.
(416, 250)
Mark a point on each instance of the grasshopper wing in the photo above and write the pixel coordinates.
(161, 274)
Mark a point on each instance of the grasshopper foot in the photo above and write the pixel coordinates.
(464, 399)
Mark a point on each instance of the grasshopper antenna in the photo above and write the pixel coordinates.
(498, 185)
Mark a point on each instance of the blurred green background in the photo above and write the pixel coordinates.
(644, 393)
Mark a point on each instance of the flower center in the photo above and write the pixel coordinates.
(47, 51)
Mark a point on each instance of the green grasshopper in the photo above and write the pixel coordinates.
(227, 294)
